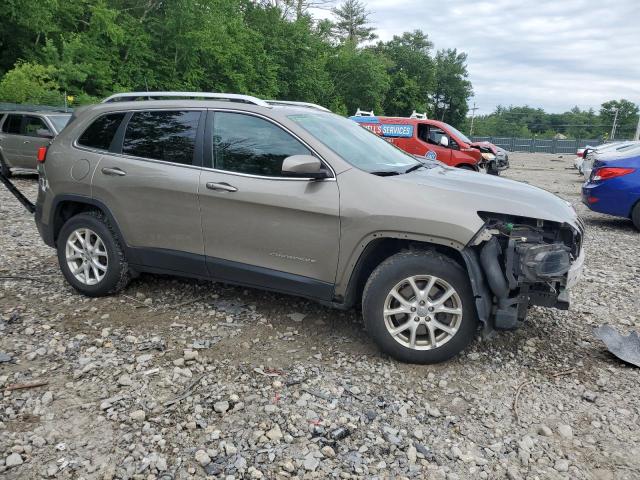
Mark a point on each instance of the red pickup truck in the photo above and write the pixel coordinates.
(433, 140)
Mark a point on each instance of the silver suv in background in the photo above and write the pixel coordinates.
(294, 199)
(23, 133)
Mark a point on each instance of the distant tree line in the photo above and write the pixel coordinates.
(89, 49)
(528, 122)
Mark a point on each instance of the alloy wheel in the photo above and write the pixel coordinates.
(86, 256)
(423, 312)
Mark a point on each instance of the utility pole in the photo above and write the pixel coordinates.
(636, 137)
(615, 121)
(473, 116)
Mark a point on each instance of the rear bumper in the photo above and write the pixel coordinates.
(612, 199)
(45, 230)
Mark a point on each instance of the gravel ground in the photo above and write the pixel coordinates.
(177, 379)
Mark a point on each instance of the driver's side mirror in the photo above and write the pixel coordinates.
(444, 141)
(304, 166)
(44, 133)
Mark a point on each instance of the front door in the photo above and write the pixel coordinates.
(35, 134)
(150, 184)
(261, 228)
(429, 136)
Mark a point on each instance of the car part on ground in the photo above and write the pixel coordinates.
(626, 348)
(313, 206)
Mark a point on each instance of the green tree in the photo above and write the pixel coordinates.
(452, 87)
(30, 83)
(352, 22)
(411, 70)
(359, 78)
(627, 116)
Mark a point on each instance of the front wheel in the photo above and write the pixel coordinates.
(90, 255)
(418, 307)
(492, 169)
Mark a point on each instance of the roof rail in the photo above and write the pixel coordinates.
(364, 113)
(231, 97)
(419, 116)
(298, 104)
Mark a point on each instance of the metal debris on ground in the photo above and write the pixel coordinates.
(626, 348)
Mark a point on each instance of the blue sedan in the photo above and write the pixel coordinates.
(614, 188)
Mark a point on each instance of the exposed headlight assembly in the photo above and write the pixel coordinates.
(540, 262)
(488, 156)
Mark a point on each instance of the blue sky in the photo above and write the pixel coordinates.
(549, 54)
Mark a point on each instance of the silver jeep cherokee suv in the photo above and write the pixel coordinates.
(292, 198)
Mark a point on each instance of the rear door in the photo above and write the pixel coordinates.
(261, 228)
(149, 181)
(11, 141)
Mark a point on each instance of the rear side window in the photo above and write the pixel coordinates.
(248, 144)
(12, 124)
(100, 133)
(163, 135)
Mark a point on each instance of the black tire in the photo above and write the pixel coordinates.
(402, 266)
(117, 274)
(635, 216)
(492, 169)
(4, 168)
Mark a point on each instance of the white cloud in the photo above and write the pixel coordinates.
(544, 53)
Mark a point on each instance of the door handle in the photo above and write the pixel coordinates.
(114, 172)
(27, 141)
(221, 187)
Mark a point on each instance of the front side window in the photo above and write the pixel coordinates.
(162, 135)
(101, 132)
(12, 124)
(435, 134)
(252, 145)
(32, 126)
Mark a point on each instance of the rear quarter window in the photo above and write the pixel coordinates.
(100, 133)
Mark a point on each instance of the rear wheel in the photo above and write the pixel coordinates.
(418, 307)
(635, 216)
(90, 255)
(4, 168)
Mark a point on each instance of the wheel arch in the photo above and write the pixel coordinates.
(66, 206)
(381, 246)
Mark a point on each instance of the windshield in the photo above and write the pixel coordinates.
(355, 144)
(459, 134)
(59, 121)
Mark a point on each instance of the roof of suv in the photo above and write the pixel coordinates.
(35, 112)
(276, 108)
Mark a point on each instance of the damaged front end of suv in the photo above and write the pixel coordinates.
(517, 262)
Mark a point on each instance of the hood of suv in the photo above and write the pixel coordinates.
(488, 193)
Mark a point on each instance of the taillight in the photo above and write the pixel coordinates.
(605, 173)
(42, 154)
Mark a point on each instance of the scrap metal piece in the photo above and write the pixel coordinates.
(626, 348)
